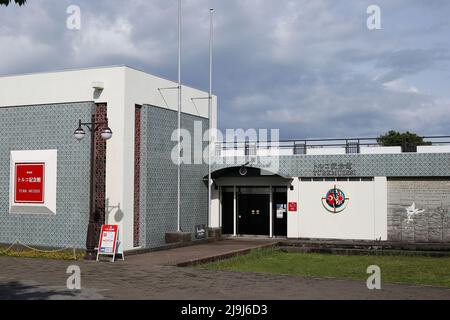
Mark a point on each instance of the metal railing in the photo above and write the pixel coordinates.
(307, 146)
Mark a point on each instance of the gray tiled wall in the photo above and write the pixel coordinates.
(38, 128)
(422, 179)
(430, 195)
(362, 165)
(159, 178)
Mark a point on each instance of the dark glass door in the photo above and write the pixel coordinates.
(253, 213)
(227, 211)
(279, 211)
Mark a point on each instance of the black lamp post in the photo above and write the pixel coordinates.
(79, 134)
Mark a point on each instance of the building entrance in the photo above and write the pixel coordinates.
(254, 210)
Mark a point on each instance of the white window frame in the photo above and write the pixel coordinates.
(50, 159)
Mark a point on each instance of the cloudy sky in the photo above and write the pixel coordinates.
(311, 68)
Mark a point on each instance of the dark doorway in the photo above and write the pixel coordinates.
(279, 211)
(227, 210)
(253, 211)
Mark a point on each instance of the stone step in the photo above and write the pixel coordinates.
(353, 251)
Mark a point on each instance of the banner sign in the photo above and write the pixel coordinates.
(109, 241)
(29, 183)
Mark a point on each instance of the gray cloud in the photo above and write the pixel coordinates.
(309, 68)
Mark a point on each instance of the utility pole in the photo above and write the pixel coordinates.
(179, 121)
(211, 38)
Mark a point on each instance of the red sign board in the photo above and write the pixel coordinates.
(29, 183)
(108, 239)
(292, 206)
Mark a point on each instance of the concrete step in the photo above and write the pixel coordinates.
(368, 245)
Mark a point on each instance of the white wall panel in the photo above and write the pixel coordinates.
(433, 149)
(317, 151)
(357, 221)
(380, 150)
(380, 208)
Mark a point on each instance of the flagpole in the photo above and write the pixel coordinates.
(179, 119)
(211, 38)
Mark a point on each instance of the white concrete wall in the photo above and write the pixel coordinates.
(231, 152)
(365, 216)
(215, 219)
(61, 87)
(380, 150)
(433, 149)
(380, 208)
(123, 88)
(142, 88)
(281, 152)
(316, 151)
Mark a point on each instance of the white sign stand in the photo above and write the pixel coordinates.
(109, 243)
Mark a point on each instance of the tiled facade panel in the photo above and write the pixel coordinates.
(137, 176)
(194, 192)
(431, 222)
(48, 127)
(360, 165)
(159, 178)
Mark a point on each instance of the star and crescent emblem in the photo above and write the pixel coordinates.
(335, 200)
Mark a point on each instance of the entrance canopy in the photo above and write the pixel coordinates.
(242, 172)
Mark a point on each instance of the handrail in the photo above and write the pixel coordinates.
(345, 140)
(299, 146)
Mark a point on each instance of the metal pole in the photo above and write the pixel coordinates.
(179, 118)
(211, 11)
(90, 239)
(271, 212)
(234, 211)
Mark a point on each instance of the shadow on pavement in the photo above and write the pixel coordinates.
(15, 290)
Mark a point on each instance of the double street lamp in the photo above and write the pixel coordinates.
(79, 134)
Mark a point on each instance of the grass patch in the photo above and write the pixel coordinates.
(28, 253)
(394, 269)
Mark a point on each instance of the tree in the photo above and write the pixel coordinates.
(395, 138)
(6, 2)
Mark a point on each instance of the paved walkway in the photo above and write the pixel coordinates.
(149, 276)
(201, 252)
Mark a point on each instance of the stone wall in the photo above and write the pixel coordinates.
(427, 202)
